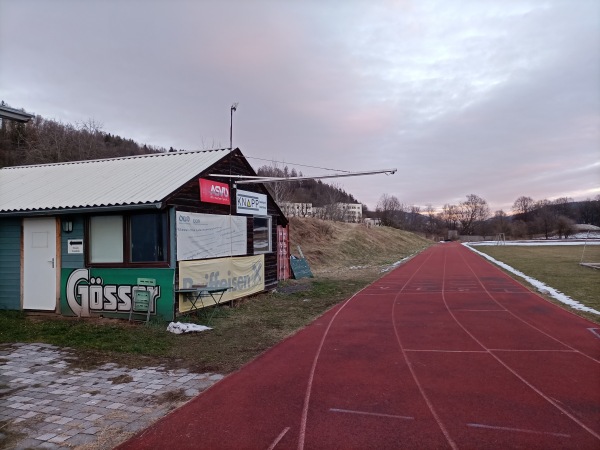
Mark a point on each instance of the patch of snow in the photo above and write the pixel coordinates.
(537, 243)
(396, 264)
(358, 267)
(180, 327)
(541, 287)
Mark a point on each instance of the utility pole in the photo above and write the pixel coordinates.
(233, 108)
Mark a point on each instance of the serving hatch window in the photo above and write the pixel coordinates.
(262, 235)
(128, 240)
(106, 239)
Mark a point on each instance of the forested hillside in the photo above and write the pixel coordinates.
(303, 191)
(42, 141)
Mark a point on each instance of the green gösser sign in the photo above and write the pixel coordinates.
(86, 292)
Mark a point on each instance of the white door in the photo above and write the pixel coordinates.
(39, 263)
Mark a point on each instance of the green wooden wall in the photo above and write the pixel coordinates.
(10, 263)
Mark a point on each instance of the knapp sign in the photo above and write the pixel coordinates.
(214, 192)
(251, 203)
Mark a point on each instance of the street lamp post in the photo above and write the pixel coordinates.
(233, 108)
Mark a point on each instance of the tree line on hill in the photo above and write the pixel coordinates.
(316, 192)
(42, 141)
(530, 218)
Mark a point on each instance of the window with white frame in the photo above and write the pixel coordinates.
(128, 240)
(262, 235)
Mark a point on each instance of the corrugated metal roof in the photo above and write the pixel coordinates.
(134, 180)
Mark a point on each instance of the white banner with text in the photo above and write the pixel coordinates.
(201, 236)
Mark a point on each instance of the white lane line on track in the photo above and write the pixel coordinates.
(432, 410)
(311, 376)
(304, 418)
(489, 294)
(510, 369)
(444, 351)
(366, 413)
(594, 331)
(526, 351)
(480, 310)
(519, 430)
(278, 438)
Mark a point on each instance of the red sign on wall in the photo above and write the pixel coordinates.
(214, 192)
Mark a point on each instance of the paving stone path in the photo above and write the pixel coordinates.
(46, 401)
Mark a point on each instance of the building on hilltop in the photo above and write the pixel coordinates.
(372, 222)
(341, 212)
(296, 209)
(351, 212)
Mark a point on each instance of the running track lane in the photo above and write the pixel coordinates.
(444, 352)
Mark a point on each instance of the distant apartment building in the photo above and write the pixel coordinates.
(297, 209)
(343, 212)
(372, 222)
(350, 212)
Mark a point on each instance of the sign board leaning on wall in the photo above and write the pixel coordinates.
(251, 203)
(242, 275)
(201, 236)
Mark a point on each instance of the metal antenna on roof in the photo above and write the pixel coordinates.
(233, 108)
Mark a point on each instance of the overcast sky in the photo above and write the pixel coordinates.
(497, 98)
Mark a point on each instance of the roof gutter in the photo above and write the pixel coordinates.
(87, 209)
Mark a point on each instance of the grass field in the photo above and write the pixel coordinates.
(558, 267)
(239, 333)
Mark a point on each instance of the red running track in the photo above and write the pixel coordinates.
(444, 352)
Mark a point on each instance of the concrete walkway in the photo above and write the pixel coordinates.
(46, 401)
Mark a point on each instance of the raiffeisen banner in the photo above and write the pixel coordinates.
(251, 203)
(214, 192)
(241, 275)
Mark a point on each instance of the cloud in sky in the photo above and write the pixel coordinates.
(497, 98)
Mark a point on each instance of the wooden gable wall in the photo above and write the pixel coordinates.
(187, 198)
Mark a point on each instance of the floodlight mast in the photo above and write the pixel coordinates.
(249, 179)
(233, 108)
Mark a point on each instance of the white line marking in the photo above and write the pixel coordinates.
(278, 438)
(510, 369)
(594, 332)
(445, 351)
(520, 430)
(311, 376)
(348, 411)
(516, 350)
(480, 310)
(437, 418)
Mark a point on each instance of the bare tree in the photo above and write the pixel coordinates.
(546, 217)
(449, 216)
(563, 206)
(388, 209)
(472, 211)
(88, 141)
(333, 209)
(501, 223)
(280, 190)
(564, 226)
(523, 205)
(518, 229)
(431, 225)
